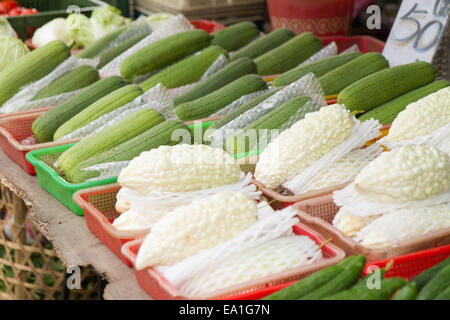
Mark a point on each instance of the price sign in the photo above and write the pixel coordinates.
(417, 31)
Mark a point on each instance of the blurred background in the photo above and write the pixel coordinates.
(322, 17)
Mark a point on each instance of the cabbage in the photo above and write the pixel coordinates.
(5, 28)
(11, 49)
(80, 29)
(56, 29)
(105, 20)
(156, 20)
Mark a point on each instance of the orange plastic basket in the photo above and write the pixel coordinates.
(98, 205)
(159, 288)
(3, 115)
(15, 127)
(318, 214)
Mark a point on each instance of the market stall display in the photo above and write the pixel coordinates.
(212, 136)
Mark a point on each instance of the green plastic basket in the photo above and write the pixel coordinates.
(25, 26)
(248, 154)
(203, 125)
(53, 183)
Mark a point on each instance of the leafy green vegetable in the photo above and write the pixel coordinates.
(81, 29)
(11, 49)
(105, 20)
(5, 28)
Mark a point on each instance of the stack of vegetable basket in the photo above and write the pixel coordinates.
(309, 121)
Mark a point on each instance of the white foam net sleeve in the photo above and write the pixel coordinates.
(271, 257)
(174, 25)
(326, 52)
(395, 227)
(137, 27)
(171, 199)
(22, 99)
(362, 132)
(308, 85)
(276, 225)
(157, 98)
(359, 205)
(143, 211)
(341, 171)
(107, 169)
(439, 138)
(353, 48)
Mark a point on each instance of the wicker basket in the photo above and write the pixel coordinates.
(15, 127)
(30, 268)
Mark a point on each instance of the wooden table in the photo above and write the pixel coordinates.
(72, 240)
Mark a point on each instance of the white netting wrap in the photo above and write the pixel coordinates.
(127, 197)
(143, 211)
(305, 86)
(341, 171)
(353, 48)
(156, 98)
(393, 228)
(106, 170)
(174, 25)
(220, 62)
(362, 132)
(359, 205)
(22, 99)
(326, 52)
(137, 27)
(271, 227)
(271, 257)
(439, 138)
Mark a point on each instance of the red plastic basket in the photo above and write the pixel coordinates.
(208, 26)
(14, 128)
(318, 214)
(19, 113)
(159, 288)
(410, 265)
(365, 43)
(98, 205)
